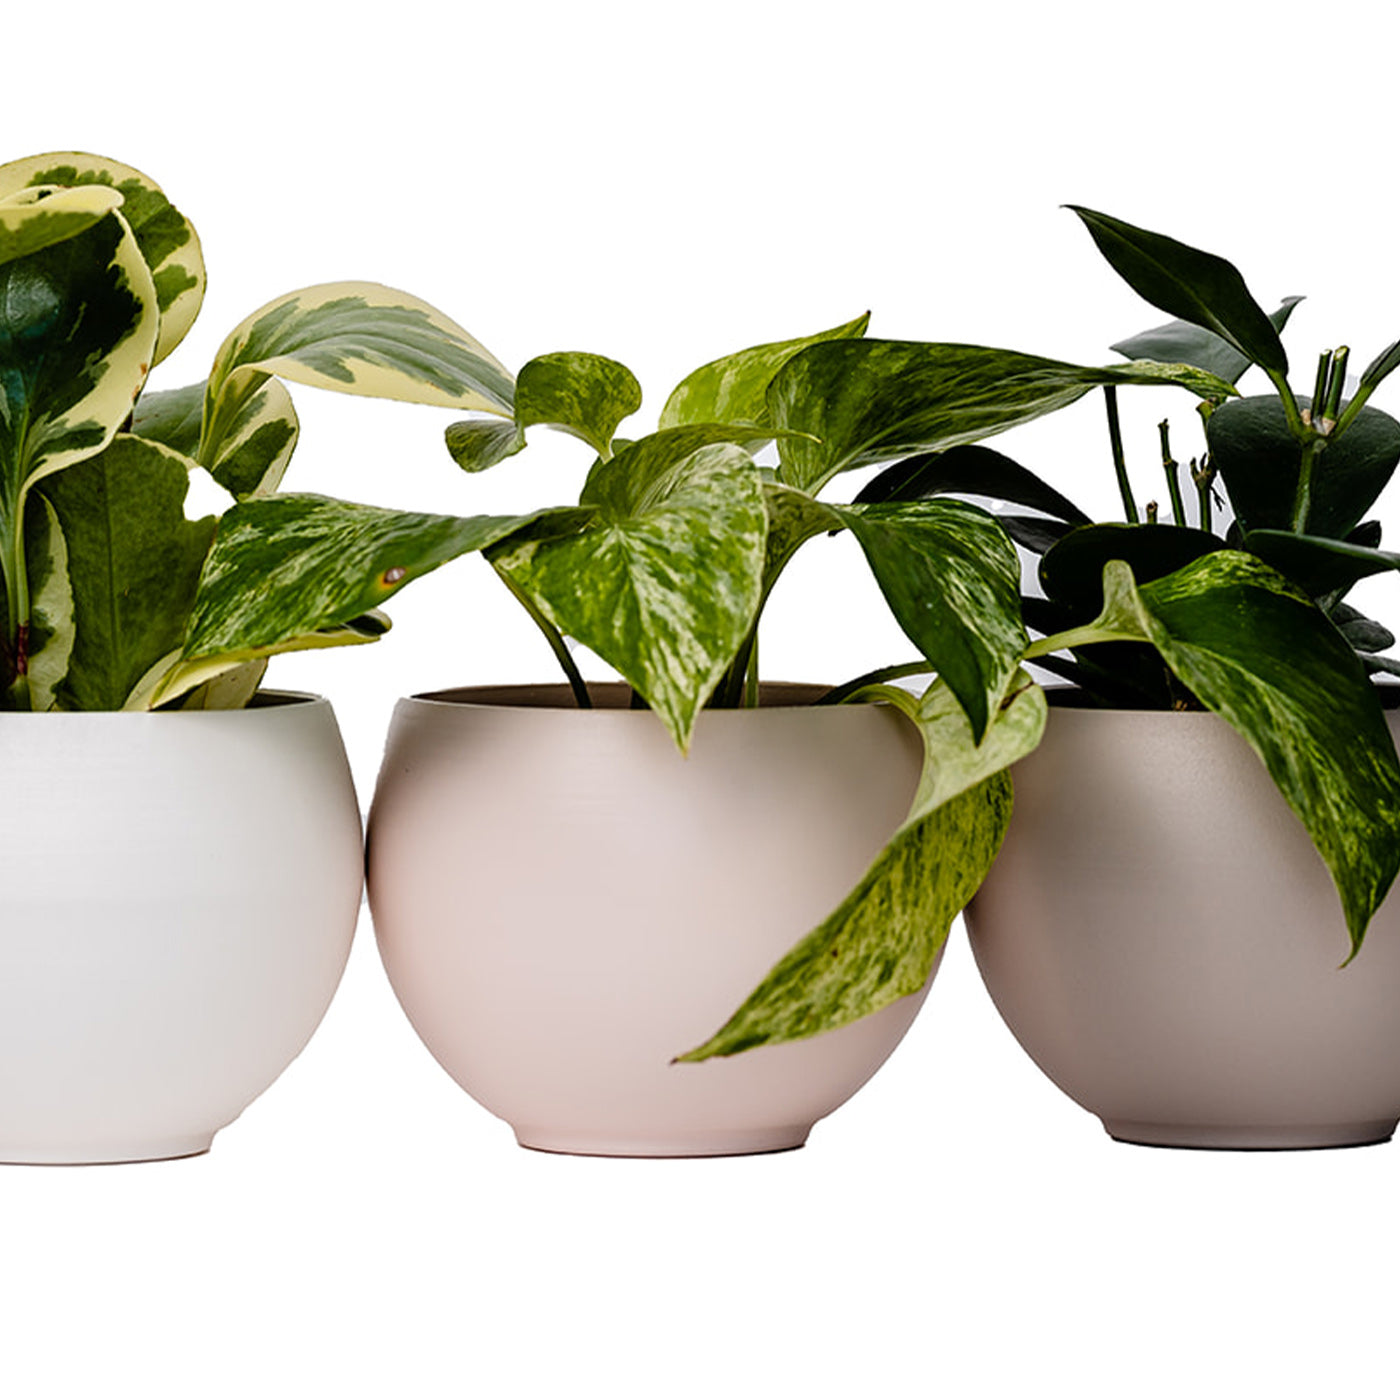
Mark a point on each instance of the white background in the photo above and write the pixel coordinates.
(664, 184)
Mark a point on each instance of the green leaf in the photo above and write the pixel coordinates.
(586, 395)
(971, 470)
(32, 219)
(881, 943)
(251, 458)
(478, 443)
(167, 240)
(357, 338)
(794, 517)
(1072, 572)
(1316, 565)
(734, 389)
(1259, 459)
(664, 585)
(864, 401)
(1384, 363)
(952, 580)
(133, 560)
(51, 624)
(1185, 282)
(1258, 653)
(1184, 343)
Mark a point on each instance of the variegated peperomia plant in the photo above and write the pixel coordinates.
(1242, 613)
(108, 595)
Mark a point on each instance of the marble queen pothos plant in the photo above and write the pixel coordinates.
(106, 597)
(663, 565)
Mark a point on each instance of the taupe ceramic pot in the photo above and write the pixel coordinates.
(564, 903)
(1164, 941)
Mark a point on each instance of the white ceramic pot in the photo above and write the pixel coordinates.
(564, 903)
(179, 897)
(1164, 941)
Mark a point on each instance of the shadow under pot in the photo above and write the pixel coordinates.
(179, 899)
(564, 903)
(1162, 938)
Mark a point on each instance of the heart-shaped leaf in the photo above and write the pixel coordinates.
(1187, 344)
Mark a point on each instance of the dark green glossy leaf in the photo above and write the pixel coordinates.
(1035, 532)
(1384, 363)
(858, 402)
(1316, 565)
(1072, 572)
(952, 580)
(970, 470)
(1181, 342)
(734, 389)
(882, 941)
(1258, 459)
(133, 561)
(1185, 282)
(586, 395)
(1361, 632)
(673, 563)
(478, 443)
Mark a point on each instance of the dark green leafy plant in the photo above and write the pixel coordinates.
(1239, 610)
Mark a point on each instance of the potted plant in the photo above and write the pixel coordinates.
(183, 854)
(1159, 931)
(572, 886)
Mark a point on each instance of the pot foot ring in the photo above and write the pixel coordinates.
(743, 1143)
(1273, 1138)
(103, 1153)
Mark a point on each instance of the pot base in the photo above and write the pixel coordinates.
(107, 1153)
(1262, 1139)
(747, 1143)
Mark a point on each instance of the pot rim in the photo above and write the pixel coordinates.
(609, 697)
(262, 700)
(1074, 698)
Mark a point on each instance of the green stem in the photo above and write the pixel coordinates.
(556, 642)
(1319, 397)
(837, 694)
(1335, 384)
(751, 683)
(1302, 500)
(1296, 426)
(1077, 637)
(1172, 467)
(1120, 466)
(1203, 479)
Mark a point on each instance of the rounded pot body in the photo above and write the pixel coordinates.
(1164, 941)
(179, 898)
(564, 903)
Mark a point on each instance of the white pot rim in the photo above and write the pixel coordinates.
(262, 702)
(612, 697)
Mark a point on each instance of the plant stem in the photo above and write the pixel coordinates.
(1171, 467)
(556, 643)
(751, 684)
(1302, 500)
(1296, 426)
(1319, 397)
(1335, 384)
(1203, 478)
(837, 694)
(1115, 438)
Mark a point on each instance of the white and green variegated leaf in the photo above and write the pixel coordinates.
(32, 219)
(296, 571)
(356, 338)
(794, 517)
(733, 389)
(664, 585)
(133, 560)
(858, 402)
(952, 579)
(166, 238)
(251, 458)
(586, 395)
(78, 323)
(478, 443)
(1254, 648)
(882, 941)
(51, 620)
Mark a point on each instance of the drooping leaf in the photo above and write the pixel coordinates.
(1072, 572)
(1035, 532)
(880, 944)
(1317, 565)
(952, 580)
(673, 563)
(167, 240)
(733, 389)
(357, 338)
(51, 622)
(586, 395)
(1258, 653)
(1195, 286)
(254, 454)
(794, 517)
(858, 402)
(1259, 460)
(478, 443)
(134, 561)
(1187, 344)
(971, 470)
(32, 219)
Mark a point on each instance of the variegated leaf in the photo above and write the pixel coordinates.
(134, 560)
(734, 389)
(251, 458)
(51, 621)
(673, 568)
(1253, 648)
(357, 338)
(166, 238)
(88, 303)
(858, 402)
(586, 395)
(478, 443)
(32, 219)
(794, 517)
(952, 580)
(881, 942)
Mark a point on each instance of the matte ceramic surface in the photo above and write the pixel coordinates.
(1163, 940)
(564, 903)
(179, 898)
